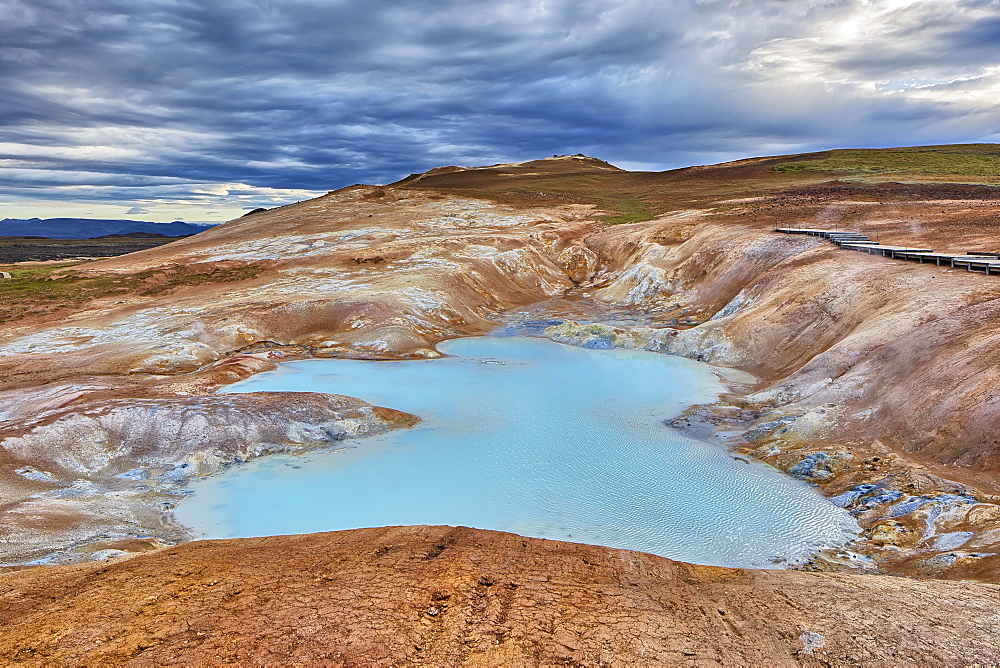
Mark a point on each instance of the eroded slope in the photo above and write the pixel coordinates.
(115, 378)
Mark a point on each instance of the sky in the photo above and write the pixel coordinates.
(199, 110)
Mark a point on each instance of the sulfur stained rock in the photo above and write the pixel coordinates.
(590, 335)
(579, 263)
(894, 533)
(822, 466)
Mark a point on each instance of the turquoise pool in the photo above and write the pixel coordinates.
(533, 437)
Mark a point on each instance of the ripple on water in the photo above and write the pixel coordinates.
(544, 440)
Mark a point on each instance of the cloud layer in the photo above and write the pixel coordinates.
(242, 103)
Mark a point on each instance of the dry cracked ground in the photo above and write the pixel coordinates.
(872, 378)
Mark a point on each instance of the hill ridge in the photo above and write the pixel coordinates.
(91, 228)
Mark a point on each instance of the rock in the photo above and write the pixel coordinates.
(579, 263)
(894, 533)
(121, 462)
(821, 466)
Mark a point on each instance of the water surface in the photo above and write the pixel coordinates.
(533, 437)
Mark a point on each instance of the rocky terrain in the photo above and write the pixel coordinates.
(871, 378)
(122, 464)
(875, 380)
(444, 596)
(362, 272)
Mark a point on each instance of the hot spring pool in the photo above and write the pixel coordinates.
(528, 436)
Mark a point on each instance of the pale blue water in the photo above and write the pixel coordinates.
(533, 437)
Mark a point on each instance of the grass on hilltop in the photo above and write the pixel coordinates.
(629, 197)
(625, 210)
(965, 163)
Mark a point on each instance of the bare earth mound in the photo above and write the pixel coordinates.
(442, 595)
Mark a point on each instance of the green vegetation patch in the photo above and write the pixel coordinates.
(52, 288)
(973, 163)
(609, 192)
(622, 202)
(625, 210)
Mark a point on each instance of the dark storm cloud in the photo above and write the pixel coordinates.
(104, 97)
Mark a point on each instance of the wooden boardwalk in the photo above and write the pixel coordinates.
(987, 263)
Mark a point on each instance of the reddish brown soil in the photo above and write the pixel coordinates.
(443, 596)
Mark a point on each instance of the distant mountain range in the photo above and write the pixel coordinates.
(89, 228)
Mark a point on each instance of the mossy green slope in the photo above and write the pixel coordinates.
(962, 163)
